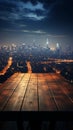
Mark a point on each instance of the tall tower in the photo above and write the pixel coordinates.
(47, 43)
(57, 46)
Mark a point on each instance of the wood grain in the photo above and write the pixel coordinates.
(36, 92)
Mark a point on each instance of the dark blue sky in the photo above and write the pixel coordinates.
(24, 20)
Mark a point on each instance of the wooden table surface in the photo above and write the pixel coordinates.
(36, 92)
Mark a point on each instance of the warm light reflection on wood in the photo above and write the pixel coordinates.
(29, 67)
(45, 69)
(7, 66)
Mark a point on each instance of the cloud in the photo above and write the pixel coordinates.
(30, 6)
(25, 31)
(34, 32)
(30, 11)
(39, 32)
(60, 36)
(34, 16)
(18, 10)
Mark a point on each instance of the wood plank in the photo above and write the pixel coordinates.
(61, 99)
(46, 101)
(12, 77)
(36, 92)
(67, 88)
(8, 81)
(4, 101)
(12, 84)
(18, 95)
(4, 98)
(30, 102)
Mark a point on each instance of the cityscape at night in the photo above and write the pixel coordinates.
(36, 64)
(42, 59)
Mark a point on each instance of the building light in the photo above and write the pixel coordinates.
(52, 49)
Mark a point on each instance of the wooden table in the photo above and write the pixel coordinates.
(36, 92)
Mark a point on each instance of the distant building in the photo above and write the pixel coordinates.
(23, 46)
(68, 49)
(47, 43)
(58, 48)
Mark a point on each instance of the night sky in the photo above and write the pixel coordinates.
(36, 20)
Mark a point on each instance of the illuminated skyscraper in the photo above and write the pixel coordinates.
(57, 46)
(47, 43)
